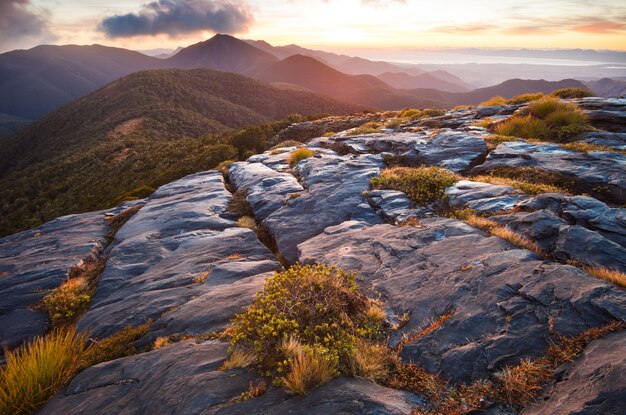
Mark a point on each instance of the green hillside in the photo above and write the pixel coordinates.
(137, 133)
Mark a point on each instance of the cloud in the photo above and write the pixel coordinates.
(19, 23)
(176, 17)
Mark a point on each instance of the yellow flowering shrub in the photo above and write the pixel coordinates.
(320, 308)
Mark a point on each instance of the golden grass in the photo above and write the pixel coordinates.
(239, 358)
(494, 140)
(494, 228)
(36, 371)
(367, 128)
(287, 143)
(523, 98)
(114, 347)
(567, 93)
(494, 101)
(429, 328)
(606, 274)
(369, 361)
(298, 155)
(329, 134)
(583, 147)
(484, 123)
(524, 127)
(524, 186)
(308, 368)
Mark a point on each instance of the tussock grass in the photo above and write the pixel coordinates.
(484, 123)
(36, 371)
(369, 361)
(421, 184)
(494, 140)
(548, 119)
(298, 155)
(370, 127)
(114, 347)
(308, 368)
(525, 127)
(524, 98)
(493, 102)
(607, 274)
(239, 358)
(568, 93)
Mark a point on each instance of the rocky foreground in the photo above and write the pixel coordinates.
(184, 263)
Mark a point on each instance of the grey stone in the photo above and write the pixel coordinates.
(576, 242)
(502, 298)
(593, 384)
(591, 171)
(183, 378)
(483, 197)
(182, 232)
(334, 186)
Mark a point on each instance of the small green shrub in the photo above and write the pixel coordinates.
(421, 184)
(67, 302)
(568, 93)
(308, 311)
(411, 113)
(298, 155)
(524, 98)
(433, 112)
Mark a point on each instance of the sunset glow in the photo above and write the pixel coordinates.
(342, 24)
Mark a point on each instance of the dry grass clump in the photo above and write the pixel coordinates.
(529, 180)
(484, 123)
(298, 155)
(421, 184)
(524, 98)
(583, 147)
(524, 186)
(40, 368)
(493, 102)
(239, 358)
(494, 228)
(525, 127)
(394, 122)
(431, 327)
(254, 390)
(37, 370)
(246, 222)
(568, 93)
(305, 323)
(369, 361)
(370, 127)
(549, 119)
(607, 274)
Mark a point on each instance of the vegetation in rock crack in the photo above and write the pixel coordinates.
(568, 93)
(421, 184)
(40, 368)
(370, 127)
(296, 156)
(498, 230)
(494, 140)
(529, 180)
(304, 326)
(287, 143)
(548, 119)
(612, 275)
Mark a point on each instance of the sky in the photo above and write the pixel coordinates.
(334, 25)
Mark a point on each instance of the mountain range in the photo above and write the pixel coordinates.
(42, 79)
